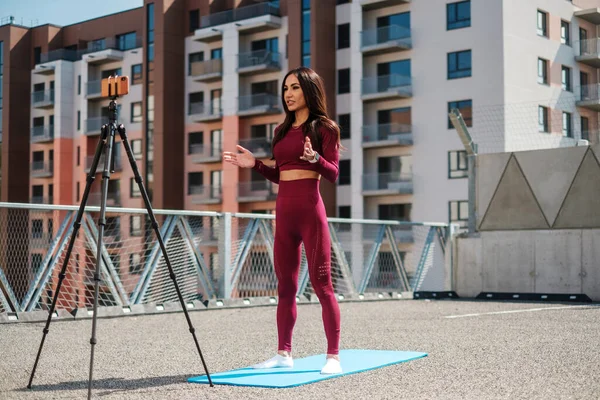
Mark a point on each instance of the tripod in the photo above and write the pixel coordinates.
(107, 143)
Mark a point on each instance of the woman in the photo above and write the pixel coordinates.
(305, 147)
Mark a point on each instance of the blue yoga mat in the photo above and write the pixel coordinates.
(308, 370)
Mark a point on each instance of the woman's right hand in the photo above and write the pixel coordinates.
(245, 159)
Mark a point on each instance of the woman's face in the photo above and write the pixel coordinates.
(293, 94)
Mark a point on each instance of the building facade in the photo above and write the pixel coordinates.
(207, 75)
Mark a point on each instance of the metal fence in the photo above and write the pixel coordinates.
(214, 256)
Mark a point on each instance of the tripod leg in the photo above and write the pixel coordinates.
(140, 183)
(108, 154)
(77, 225)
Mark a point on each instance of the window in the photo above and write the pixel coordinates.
(458, 15)
(565, 35)
(136, 74)
(459, 64)
(195, 98)
(78, 84)
(127, 41)
(542, 23)
(566, 78)
(585, 128)
(78, 155)
(542, 71)
(37, 55)
(77, 191)
(457, 164)
(195, 181)
(216, 53)
(543, 119)
(136, 148)
(458, 212)
(583, 42)
(465, 107)
(305, 26)
(584, 88)
(135, 225)
(567, 129)
(78, 120)
(195, 142)
(194, 58)
(344, 178)
(344, 81)
(134, 189)
(338, 2)
(135, 263)
(194, 20)
(136, 112)
(344, 123)
(395, 212)
(344, 211)
(343, 36)
(37, 228)
(36, 262)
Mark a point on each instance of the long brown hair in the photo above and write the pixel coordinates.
(314, 96)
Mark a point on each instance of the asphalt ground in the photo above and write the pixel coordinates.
(476, 350)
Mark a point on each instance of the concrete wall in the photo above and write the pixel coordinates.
(537, 261)
(539, 189)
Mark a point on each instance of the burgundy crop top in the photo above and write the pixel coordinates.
(288, 151)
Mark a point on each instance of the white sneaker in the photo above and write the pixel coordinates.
(332, 366)
(276, 362)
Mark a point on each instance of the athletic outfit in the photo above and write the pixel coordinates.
(300, 218)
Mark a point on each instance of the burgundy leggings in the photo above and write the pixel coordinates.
(300, 218)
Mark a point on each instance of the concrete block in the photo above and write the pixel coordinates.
(580, 208)
(558, 261)
(513, 206)
(508, 261)
(590, 268)
(489, 170)
(550, 173)
(469, 267)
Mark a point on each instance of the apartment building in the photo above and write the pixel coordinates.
(207, 75)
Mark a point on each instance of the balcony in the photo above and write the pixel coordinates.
(93, 125)
(256, 18)
(589, 97)
(384, 135)
(41, 169)
(40, 240)
(206, 153)
(385, 40)
(256, 104)
(107, 50)
(207, 71)
(591, 15)
(113, 199)
(387, 183)
(386, 87)
(93, 90)
(256, 191)
(42, 134)
(42, 200)
(59, 54)
(118, 165)
(43, 99)
(376, 4)
(204, 112)
(206, 194)
(260, 147)
(259, 61)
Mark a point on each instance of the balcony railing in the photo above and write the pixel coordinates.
(42, 200)
(118, 165)
(206, 153)
(94, 124)
(93, 88)
(259, 58)
(260, 147)
(256, 191)
(239, 14)
(396, 182)
(112, 199)
(385, 34)
(42, 133)
(203, 194)
(206, 110)
(384, 132)
(59, 54)
(42, 98)
(588, 47)
(589, 92)
(41, 169)
(74, 55)
(384, 83)
(208, 67)
(259, 101)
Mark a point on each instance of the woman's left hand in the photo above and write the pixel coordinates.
(309, 154)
